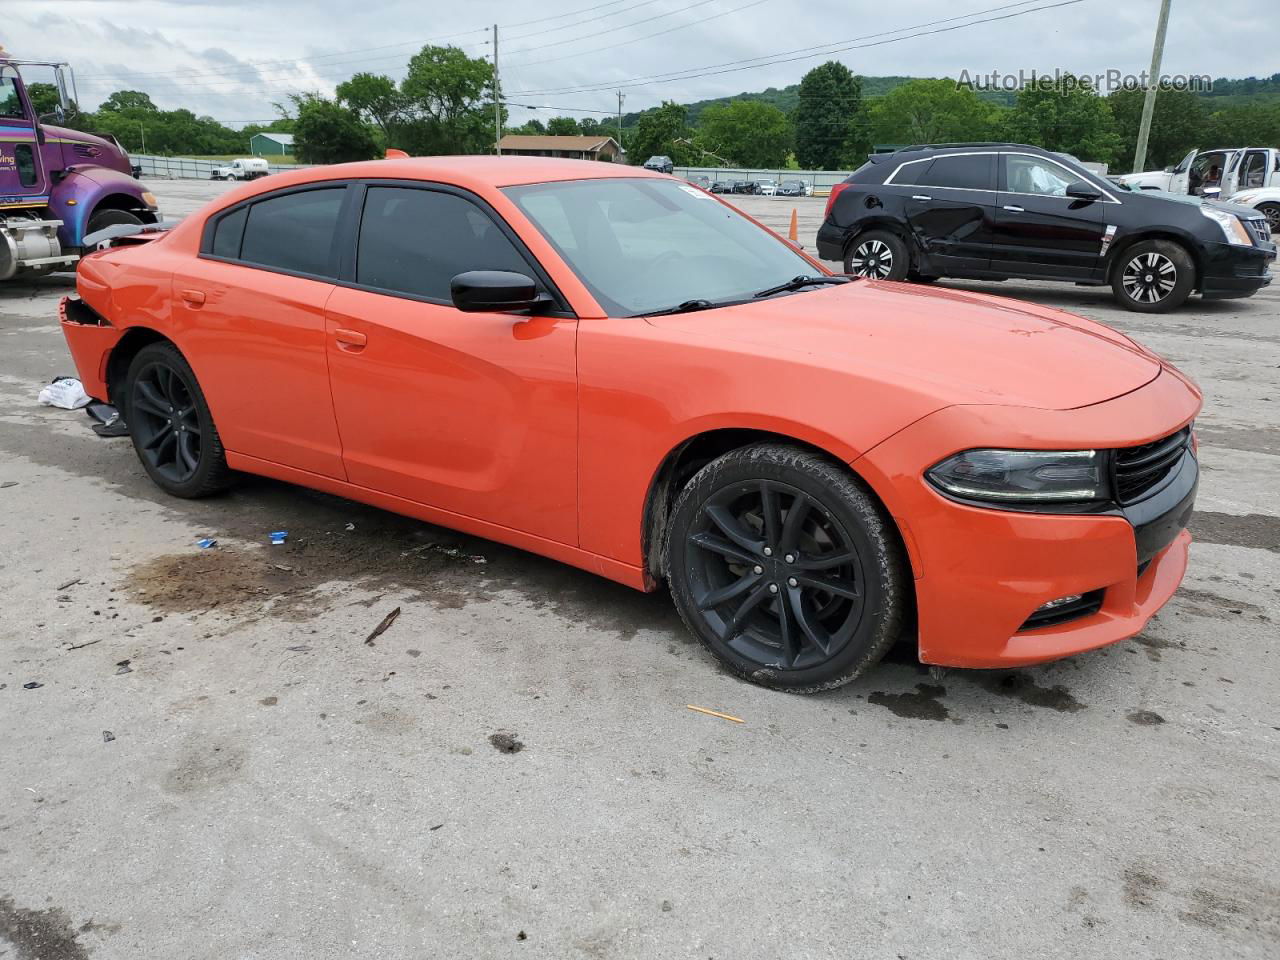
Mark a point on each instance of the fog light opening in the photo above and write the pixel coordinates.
(1060, 602)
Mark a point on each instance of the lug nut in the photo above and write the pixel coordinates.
(790, 558)
(768, 551)
(792, 582)
(773, 588)
(757, 569)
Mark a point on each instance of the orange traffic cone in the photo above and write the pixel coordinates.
(794, 233)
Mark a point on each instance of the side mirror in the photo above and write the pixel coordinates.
(1211, 193)
(1080, 190)
(493, 291)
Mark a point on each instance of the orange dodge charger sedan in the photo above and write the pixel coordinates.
(618, 370)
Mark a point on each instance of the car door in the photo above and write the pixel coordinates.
(1179, 177)
(248, 314)
(1041, 232)
(472, 413)
(1252, 172)
(949, 203)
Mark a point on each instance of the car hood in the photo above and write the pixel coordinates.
(959, 347)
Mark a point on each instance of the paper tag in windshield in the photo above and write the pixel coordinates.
(695, 192)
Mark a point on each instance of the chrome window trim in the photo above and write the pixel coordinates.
(1108, 197)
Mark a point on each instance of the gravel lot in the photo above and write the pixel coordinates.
(216, 764)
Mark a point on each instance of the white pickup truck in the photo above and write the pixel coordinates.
(1213, 173)
(248, 168)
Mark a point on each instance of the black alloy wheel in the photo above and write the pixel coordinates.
(878, 255)
(1153, 276)
(786, 568)
(169, 421)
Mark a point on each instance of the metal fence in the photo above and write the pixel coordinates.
(190, 168)
(819, 181)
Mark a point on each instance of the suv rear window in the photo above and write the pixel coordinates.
(294, 231)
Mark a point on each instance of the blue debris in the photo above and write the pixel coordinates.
(206, 543)
(278, 537)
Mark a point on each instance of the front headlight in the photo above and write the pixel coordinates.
(149, 199)
(1231, 226)
(1023, 476)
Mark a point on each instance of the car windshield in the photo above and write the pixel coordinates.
(642, 245)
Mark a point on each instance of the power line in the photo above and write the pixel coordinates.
(807, 52)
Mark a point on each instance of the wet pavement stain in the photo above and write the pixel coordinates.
(1145, 718)
(1154, 645)
(1206, 604)
(1246, 530)
(39, 934)
(1020, 686)
(921, 705)
(1140, 887)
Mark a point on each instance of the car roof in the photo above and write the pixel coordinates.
(504, 171)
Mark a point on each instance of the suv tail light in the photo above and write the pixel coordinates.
(835, 192)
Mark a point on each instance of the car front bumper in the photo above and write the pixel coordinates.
(981, 573)
(1233, 270)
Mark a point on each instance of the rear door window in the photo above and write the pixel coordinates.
(294, 231)
(961, 172)
(415, 241)
(228, 233)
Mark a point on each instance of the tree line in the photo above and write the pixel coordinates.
(444, 105)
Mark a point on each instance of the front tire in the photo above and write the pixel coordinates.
(878, 255)
(1272, 212)
(172, 430)
(102, 219)
(1153, 276)
(786, 568)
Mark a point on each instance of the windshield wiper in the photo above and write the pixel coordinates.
(795, 283)
(689, 306)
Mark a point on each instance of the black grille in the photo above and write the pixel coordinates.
(1088, 604)
(1140, 470)
(1260, 229)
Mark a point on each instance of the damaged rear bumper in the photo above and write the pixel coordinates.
(90, 339)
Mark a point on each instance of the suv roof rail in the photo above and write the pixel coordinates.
(972, 143)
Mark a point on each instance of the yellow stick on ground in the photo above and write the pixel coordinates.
(794, 233)
(712, 713)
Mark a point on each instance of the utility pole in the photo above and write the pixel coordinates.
(621, 96)
(1153, 81)
(497, 97)
(143, 131)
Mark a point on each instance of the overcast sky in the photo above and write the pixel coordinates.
(230, 59)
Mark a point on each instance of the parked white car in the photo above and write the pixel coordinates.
(768, 187)
(248, 168)
(1265, 200)
(1212, 173)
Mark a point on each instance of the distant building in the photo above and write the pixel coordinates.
(575, 148)
(271, 144)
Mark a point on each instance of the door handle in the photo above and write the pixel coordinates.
(193, 297)
(350, 339)
(1013, 209)
(918, 196)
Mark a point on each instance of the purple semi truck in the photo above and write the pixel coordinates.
(57, 186)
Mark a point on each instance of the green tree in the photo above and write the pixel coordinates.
(1176, 126)
(123, 100)
(328, 132)
(446, 90)
(1251, 125)
(563, 127)
(662, 131)
(1068, 117)
(378, 101)
(830, 124)
(748, 132)
(931, 111)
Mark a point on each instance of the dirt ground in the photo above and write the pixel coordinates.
(203, 758)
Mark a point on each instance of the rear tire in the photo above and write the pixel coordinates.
(1153, 276)
(878, 255)
(786, 568)
(172, 430)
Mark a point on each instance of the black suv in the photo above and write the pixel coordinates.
(995, 211)
(661, 164)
